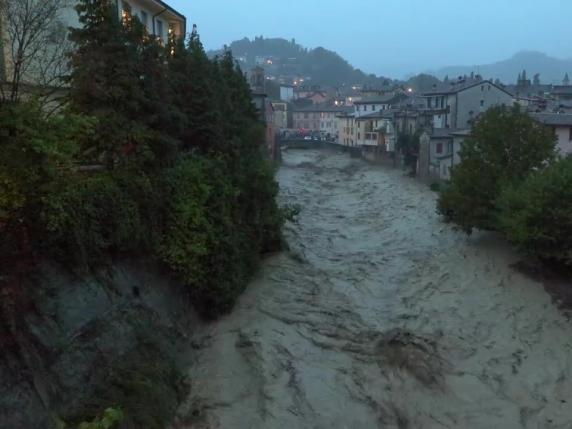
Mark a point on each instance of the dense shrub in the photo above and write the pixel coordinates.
(216, 227)
(504, 147)
(536, 214)
(199, 227)
(35, 151)
(94, 216)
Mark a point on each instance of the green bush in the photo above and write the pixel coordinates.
(536, 214)
(94, 216)
(216, 227)
(200, 240)
(111, 418)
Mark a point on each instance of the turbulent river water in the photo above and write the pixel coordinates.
(380, 315)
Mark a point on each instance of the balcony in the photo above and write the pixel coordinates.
(370, 139)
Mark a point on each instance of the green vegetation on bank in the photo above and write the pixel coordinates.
(158, 152)
(536, 214)
(510, 180)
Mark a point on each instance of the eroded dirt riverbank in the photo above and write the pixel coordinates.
(382, 316)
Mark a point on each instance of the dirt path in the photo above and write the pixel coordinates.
(381, 316)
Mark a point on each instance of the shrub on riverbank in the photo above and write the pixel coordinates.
(536, 214)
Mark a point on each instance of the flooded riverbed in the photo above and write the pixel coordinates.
(380, 315)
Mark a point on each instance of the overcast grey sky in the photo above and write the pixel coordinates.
(393, 37)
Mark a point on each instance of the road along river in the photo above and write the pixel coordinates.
(380, 315)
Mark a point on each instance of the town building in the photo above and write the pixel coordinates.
(562, 92)
(346, 127)
(376, 103)
(282, 115)
(159, 18)
(313, 94)
(320, 118)
(348, 95)
(375, 129)
(264, 109)
(439, 148)
(439, 152)
(458, 103)
(562, 126)
(306, 118)
(286, 93)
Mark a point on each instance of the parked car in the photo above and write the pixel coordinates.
(308, 138)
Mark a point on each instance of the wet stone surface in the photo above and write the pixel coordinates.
(381, 316)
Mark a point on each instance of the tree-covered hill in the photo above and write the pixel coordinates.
(320, 65)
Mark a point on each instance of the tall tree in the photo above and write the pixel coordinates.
(36, 42)
(504, 147)
(106, 81)
(192, 74)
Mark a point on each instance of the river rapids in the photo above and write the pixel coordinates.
(379, 315)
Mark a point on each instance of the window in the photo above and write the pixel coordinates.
(159, 29)
(126, 12)
(365, 108)
(429, 102)
(144, 18)
(373, 107)
(439, 148)
(482, 103)
(482, 88)
(450, 147)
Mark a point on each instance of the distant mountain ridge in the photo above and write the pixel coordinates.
(551, 70)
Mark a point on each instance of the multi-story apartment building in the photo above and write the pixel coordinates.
(320, 117)
(377, 103)
(458, 103)
(160, 19)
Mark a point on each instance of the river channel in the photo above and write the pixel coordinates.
(379, 315)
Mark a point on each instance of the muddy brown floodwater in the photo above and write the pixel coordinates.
(380, 315)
